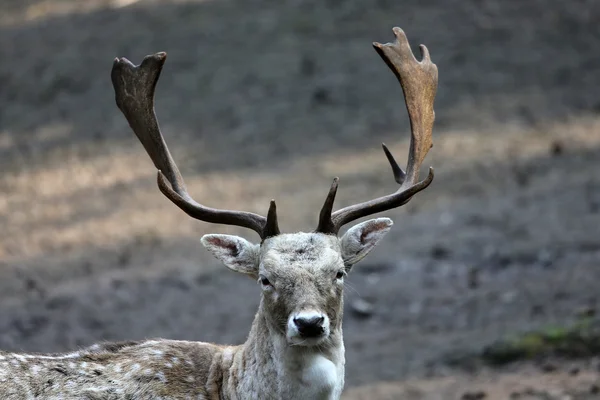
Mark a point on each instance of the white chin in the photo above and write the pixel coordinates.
(306, 342)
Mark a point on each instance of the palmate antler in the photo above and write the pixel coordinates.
(419, 82)
(134, 91)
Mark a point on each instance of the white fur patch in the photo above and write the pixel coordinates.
(161, 377)
(322, 375)
(20, 358)
(61, 357)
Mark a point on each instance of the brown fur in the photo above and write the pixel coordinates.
(137, 370)
(303, 273)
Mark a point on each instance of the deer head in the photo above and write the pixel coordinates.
(301, 274)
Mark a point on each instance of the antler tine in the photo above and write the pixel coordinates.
(134, 93)
(399, 174)
(325, 223)
(419, 84)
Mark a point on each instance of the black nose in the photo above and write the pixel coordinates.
(310, 327)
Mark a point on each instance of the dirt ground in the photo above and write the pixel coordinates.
(264, 99)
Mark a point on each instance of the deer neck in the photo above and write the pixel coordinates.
(292, 372)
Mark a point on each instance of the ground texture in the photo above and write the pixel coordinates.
(271, 99)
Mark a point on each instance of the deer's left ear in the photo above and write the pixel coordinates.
(362, 238)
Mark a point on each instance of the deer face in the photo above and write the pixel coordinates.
(301, 275)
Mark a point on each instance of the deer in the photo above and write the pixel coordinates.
(295, 347)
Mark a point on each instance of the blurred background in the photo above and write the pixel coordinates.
(488, 282)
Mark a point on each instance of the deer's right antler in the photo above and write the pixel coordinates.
(134, 92)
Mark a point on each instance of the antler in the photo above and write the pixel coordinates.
(419, 83)
(134, 92)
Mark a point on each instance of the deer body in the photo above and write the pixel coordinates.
(295, 348)
(172, 370)
(266, 366)
(155, 369)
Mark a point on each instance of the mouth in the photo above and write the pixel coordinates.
(307, 341)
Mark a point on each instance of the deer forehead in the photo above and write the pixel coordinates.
(301, 252)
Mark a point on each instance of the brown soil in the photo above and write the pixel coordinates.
(263, 99)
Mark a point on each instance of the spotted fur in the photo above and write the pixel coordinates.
(303, 273)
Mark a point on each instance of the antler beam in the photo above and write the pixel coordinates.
(134, 92)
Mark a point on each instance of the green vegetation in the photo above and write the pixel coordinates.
(581, 339)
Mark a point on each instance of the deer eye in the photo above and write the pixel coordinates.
(264, 281)
(340, 274)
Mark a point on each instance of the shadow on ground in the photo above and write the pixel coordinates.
(282, 79)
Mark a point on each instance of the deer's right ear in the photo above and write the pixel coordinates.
(236, 253)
